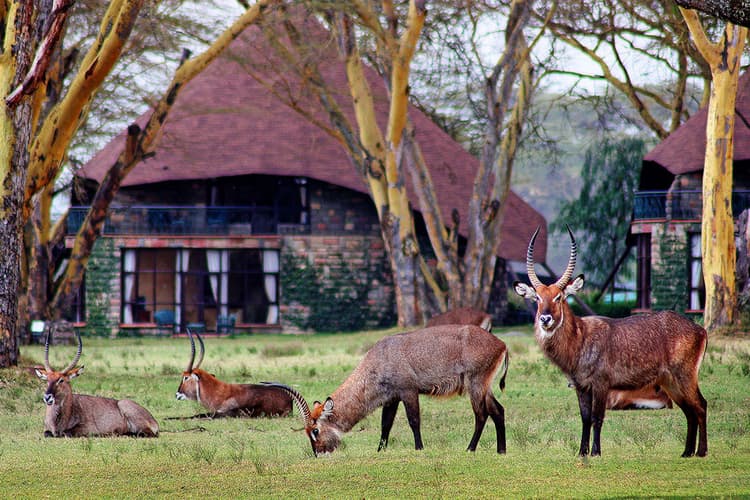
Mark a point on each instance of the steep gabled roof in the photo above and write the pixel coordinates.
(226, 123)
(684, 150)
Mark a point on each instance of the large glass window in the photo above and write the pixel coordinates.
(695, 274)
(200, 285)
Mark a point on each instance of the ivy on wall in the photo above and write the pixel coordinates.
(329, 298)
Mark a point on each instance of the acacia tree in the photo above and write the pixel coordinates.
(387, 37)
(717, 226)
(33, 159)
(621, 38)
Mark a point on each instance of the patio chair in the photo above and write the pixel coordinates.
(164, 319)
(225, 324)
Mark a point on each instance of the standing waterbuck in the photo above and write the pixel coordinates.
(438, 361)
(600, 354)
(229, 400)
(79, 415)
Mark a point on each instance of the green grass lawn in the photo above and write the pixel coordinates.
(271, 458)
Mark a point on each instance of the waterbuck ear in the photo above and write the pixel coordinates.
(524, 290)
(75, 372)
(574, 286)
(328, 406)
(40, 373)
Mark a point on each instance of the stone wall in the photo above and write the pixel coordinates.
(669, 265)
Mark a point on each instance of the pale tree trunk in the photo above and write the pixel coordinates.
(717, 227)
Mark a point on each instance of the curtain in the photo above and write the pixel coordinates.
(224, 295)
(129, 268)
(213, 259)
(271, 265)
(182, 266)
(218, 266)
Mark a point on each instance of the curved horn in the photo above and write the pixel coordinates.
(571, 262)
(192, 351)
(203, 351)
(78, 354)
(530, 261)
(46, 350)
(299, 401)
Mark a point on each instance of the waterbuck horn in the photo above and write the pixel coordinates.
(563, 281)
(299, 401)
(77, 356)
(203, 351)
(46, 350)
(192, 351)
(530, 261)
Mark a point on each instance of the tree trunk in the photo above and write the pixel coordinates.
(717, 226)
(15, 129)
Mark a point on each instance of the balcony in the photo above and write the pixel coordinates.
(680, 205)
(188, 221)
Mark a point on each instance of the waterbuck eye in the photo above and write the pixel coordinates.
(557, 298)
(315, 432)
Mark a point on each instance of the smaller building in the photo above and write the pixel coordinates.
(668, 208)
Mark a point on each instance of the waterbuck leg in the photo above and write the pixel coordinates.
(703, 437)
(497, 413)
(598, 407)
(386, 422)
(480, 418)
(411, 404)
(584, 404)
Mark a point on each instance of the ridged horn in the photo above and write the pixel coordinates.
(192, 351)
(203, 351)
(563, 281)
(299, 401)
(46, 350)
(530, 261)
(77, 356)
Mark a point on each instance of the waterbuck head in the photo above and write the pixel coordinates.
(189, 385)
(58, 382)
(324, 435)
(551, 304)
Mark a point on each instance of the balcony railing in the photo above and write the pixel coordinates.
(680, 205)
(182, 220)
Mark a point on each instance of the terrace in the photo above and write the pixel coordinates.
(680, 205)
(189, 220)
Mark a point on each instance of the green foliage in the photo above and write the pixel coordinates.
(271, 458)
(334, 299)
(600, 217)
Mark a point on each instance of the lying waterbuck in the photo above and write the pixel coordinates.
(438, 361)
(599, 354)
(462, 316)
(78, 415)
(229, 400)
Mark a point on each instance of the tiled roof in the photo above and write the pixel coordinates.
(684, 150)
(226, 123)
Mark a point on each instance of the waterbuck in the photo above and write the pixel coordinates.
(600, 354)
(462, 316)
(229, 400)
(78, 415)
(439, 361)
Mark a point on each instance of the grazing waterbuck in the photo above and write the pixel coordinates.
(229, 400)
(599, 354)
(439, 361)
(79, 415)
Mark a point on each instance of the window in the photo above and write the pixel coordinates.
(643, 283)
(199, 285)
(697, 298)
